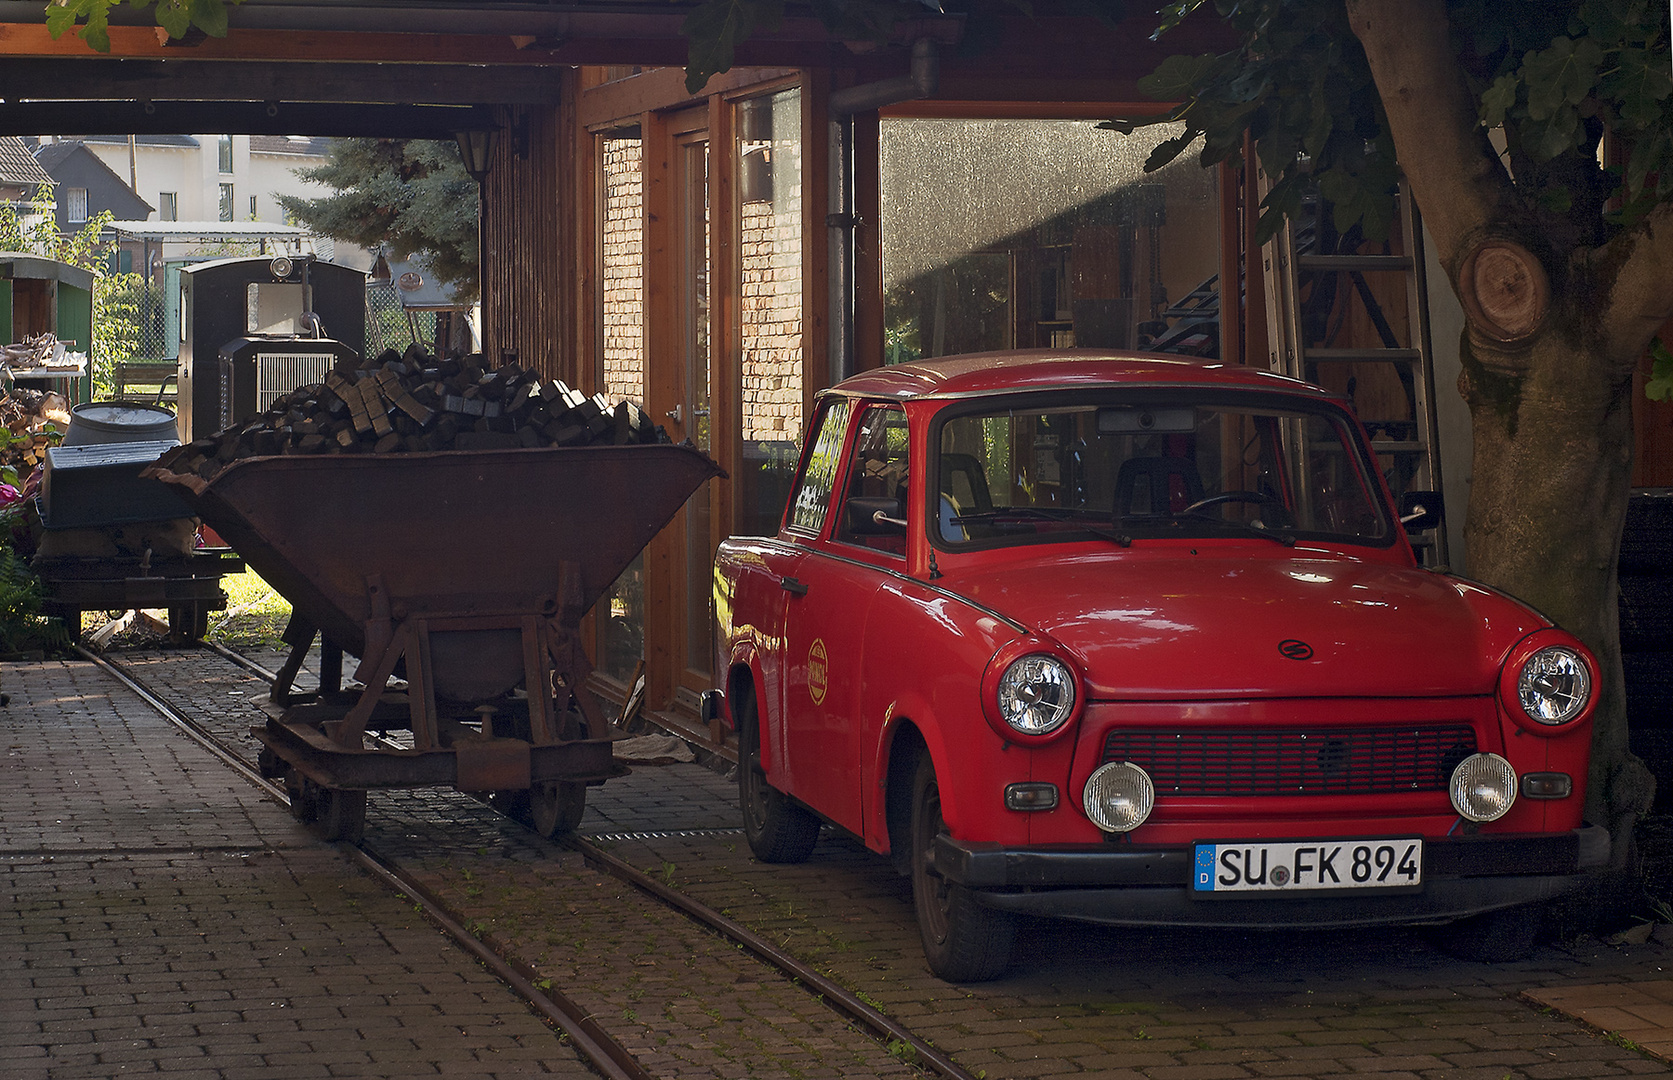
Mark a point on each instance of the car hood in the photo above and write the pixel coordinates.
(1165, 625)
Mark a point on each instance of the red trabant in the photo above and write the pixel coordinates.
(1141, 641)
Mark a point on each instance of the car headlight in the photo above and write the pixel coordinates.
(1483, 787)
(1036, 694)
(1118, 796)
(1554, 685)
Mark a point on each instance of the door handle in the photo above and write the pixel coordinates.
(791, 585)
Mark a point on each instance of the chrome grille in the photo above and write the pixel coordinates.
(1312, 761)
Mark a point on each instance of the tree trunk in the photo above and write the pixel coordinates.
(1552, 470)
(1548, 357)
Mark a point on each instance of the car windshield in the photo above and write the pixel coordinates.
(1178, 464)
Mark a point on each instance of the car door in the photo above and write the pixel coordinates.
(839, 578)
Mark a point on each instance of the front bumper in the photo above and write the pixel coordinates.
(1132, 886)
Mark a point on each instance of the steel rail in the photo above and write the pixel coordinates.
(604, 1053)
(836, 996)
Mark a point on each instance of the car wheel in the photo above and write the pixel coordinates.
(964, 940)
(778, 830)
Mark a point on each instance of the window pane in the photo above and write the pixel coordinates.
(813, 499)
(168, 206)
(226, 202)
(621, 247)
(770, 315)
(1041, 234)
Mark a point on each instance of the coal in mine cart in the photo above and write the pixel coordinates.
(470, 570)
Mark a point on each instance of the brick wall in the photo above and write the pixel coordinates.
(622, 328)
(771, 314)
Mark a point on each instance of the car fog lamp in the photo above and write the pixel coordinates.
(1118, 797)
(1554, 685)
(1037, 694)
(1483, 787)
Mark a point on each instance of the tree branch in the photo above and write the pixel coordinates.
(1450, 167)
(1641, 300)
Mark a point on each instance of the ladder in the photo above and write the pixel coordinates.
(1356, 321)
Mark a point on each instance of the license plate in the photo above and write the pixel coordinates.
(1295, 866)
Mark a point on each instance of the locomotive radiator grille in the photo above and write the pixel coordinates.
(1328, 761)
(278, 373)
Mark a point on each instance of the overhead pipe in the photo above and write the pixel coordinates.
(924, 80)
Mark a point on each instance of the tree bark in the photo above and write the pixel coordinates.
(1548, 383)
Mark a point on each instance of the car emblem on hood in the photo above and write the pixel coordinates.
(1295, 650)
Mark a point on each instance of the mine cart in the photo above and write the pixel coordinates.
(468, 571)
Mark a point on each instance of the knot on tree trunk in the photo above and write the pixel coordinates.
(1504, 289)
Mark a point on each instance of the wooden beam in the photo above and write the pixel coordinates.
(227, 80)
(240, 118)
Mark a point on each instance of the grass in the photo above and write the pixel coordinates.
(255, 614)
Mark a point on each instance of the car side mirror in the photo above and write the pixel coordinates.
(870, 515)
(1420, 510)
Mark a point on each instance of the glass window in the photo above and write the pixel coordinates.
(226, 202)
(1005, 234)
(1152, 465)
(75, 205)
(813, 496)
(874, 507)
(769, 162)
(223, 146)
(621, 360)
(168, 206)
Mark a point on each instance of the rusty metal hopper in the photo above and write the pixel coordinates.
(454, 532)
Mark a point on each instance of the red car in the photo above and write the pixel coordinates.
(1141, 641)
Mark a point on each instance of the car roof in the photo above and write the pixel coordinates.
(976, 374)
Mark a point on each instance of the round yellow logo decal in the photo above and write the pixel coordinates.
(818, 671)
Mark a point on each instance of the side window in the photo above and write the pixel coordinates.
(874, 505)
(812, 499)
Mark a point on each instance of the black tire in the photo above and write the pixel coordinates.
(964, 941)
(778, 830)
(556, 807)
(1496, 937)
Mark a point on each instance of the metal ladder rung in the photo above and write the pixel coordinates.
(1397, 356)
(1353, 262)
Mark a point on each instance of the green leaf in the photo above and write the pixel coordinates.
(1499, 99)
(1660, 385)
(210, 16)
(1176, 77)
(175, 16)
(714, 29)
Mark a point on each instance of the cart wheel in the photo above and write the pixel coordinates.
(556, 807)
(512, 804)
(342, 814)
(271, 765)
(963, 940)
(304, 797)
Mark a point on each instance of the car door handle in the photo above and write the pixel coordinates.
(791, 585)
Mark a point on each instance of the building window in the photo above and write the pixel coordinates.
(75, 205)
(253, 215)
(768, 157)
(225, 147)
(988, 244)
(168, 206)
(226, 202)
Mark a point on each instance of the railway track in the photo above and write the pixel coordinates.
(578, 1024)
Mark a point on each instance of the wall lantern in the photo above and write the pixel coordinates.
(476, 149)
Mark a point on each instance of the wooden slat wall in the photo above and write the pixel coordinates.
(530, 284)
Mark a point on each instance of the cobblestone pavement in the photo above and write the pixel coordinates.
(1082, 1001)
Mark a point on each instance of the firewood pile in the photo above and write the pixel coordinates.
(412, 403)
(33, 420)
(41, 350)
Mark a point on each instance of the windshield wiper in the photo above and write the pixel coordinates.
(1247, 528)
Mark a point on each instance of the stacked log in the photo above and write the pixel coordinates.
(412, 403)
(34, 420)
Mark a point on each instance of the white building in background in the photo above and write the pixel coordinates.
(219, 178)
